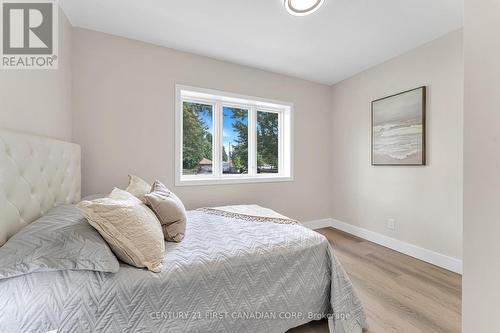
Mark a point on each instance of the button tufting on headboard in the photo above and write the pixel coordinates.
(36, 174)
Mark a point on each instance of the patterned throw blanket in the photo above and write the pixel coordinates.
(253, 213)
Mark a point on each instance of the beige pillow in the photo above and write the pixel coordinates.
(129, 227)
(138, 187)
(170, 211)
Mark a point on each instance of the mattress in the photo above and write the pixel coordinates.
(227, 275)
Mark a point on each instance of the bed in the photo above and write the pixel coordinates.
(232, 272)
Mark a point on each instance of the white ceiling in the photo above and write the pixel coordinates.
(341, 39)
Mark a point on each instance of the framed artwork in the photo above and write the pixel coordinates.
(398, 129)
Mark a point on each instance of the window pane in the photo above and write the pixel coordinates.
(197, 138)
(267, 142)
(235, 141)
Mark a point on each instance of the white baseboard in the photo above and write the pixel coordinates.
(318, 224)
(438, 259)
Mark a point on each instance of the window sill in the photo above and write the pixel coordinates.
(228, 180)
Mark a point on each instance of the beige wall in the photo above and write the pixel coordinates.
(481, 292)
(124, 119)
(39, 101)
(425, 201)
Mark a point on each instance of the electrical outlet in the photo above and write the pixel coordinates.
(391, 224)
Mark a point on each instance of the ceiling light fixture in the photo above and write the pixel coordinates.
(302, 7)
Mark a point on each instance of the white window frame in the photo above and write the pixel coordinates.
(219, 99)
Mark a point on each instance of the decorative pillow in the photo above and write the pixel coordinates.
(138, 187)
(131, 229)
(170, 211)
(59, 240)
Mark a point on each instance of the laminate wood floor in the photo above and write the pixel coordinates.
(400, 294)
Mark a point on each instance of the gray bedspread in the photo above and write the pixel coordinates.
(227, 275)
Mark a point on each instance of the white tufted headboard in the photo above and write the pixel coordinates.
(36, 174)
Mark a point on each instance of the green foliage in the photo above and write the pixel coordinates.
(207, 145)
(239, 155)
(267, 139)
(237, 162)
(197, 139)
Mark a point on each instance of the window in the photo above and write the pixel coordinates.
(234, 141)
(267, 142)
(197, 138)
(223, 138)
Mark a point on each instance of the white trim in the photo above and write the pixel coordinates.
(178, 135)
(226, 180)
(435, 258)
(318, 224)
(197, 92)
(216, 140)
(252, 141)
(254, 104)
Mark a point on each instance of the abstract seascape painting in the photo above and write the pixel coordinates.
(398, 129)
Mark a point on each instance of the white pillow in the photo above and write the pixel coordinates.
(138, 187)
(130, 228)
